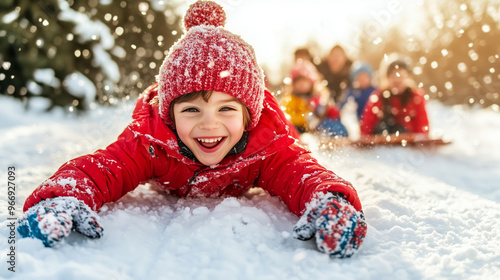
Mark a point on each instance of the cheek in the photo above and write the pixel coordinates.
(183, 128)
(235, 126)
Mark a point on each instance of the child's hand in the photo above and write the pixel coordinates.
(338, 227)
(51, 220)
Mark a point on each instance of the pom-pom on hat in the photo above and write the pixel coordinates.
(204, 13)
(208, 57)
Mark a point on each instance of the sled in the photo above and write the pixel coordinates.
(403, 139)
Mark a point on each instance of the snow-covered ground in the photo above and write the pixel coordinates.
(432, 213)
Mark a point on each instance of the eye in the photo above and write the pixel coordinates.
(225, 108)
(190, 109)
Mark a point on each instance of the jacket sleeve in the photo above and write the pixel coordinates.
(294, 176)
(101, 177)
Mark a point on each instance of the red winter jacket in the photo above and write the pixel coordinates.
(148, 150)
(413, 116)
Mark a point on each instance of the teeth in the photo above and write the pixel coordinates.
(209, 140)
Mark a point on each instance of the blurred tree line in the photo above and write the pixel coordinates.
(456, 56)
(66, 52)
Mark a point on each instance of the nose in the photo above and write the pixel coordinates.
(209, 121)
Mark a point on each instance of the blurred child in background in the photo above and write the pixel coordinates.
(298, 101)
(306, 102)
(361, 88)
(398, 106)
(335, 70)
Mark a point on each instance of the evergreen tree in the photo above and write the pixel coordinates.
(68, 52)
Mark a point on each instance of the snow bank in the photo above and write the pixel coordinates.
(432, 213)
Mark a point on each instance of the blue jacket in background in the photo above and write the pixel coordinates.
(360, 97)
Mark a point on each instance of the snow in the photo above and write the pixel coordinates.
(10, 17)
(104, 60)
(85, 28)
(88, 30)
(432, 213)
(47, 76)
(80, 86)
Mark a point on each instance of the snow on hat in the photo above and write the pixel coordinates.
(208, 57)
(358, 67)
(304, 68)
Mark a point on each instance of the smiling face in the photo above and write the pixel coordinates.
(211, 128)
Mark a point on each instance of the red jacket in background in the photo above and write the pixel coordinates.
(413, 116)
(148, 150)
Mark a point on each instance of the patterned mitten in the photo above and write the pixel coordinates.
(51, 220)
(338, 227)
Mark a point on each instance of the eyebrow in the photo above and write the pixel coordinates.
(224, 100)
(230, 99)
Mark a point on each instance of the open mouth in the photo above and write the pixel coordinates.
(210, 144)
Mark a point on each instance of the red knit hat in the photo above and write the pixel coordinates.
(208, 57)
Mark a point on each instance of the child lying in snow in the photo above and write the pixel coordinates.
(207, 129)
